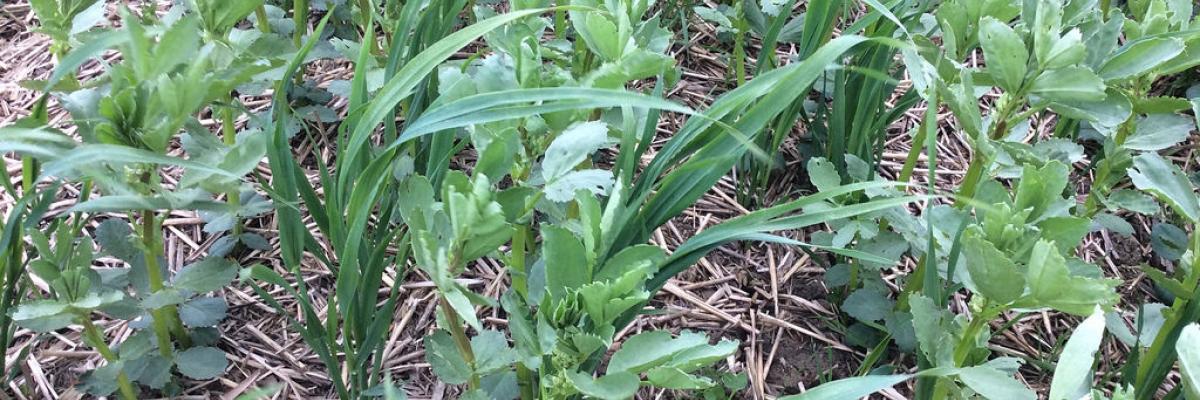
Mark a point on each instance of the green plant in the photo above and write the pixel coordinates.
(127, 118)
(358, 213)
(1034, 228)
(1013, 260)
(563, 178)
(14, 260)
(853, 116)
(1047, 63)
(1014, 254)
(62, 20)
(1153, 349)
(1072, 377)
(1188, 360)
(587, 283)
(465, 225)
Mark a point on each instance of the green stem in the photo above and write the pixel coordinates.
(1157, 360)
(526, 379)
(974, 173)
(1100, 185)
(739, 45)
(164, 317)
(979, 161)
(967, 343)
(10, 270)
(560, 23)
(300, 18)
(963, 348)
(28, 174)
(527, 382)
(517, 267)
(229, 134)
(460, 339)
(92, 335)
(260, 16)
(914, 154)
(366, 8)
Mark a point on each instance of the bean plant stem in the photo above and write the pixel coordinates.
(300, 18)
(165, 320)
(260, 16)
(560, 23)
(525, 377)
(527, 382)
(1099, 188)
(967, 343)
(517, 264)
(460, 339)
(1161, 351)
(739, 44)
(979, 160)
(229, 134)
(92, 335)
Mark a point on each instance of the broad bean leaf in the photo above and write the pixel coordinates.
(613, 386)
(992, 273)
(201, 362)
(1067, 50)
(697, 357)
(1159, 131)
(1051, 284)
(994, 384)
(823, 174)
(850, 388)
(203, 311)
(1140, 57)
(1005, 53)
(569, 150)
(1113, 223)
(206, 275)
(1153, 174)
(1125, 199)
(566, 265)
(673, 378)
(934, 329)
(443, 356)
(43, 315)
(523, 332)
(1040, 190)
(1188, 349)
(1104, 115)
(491, 352)
(102, 381)
(167, 297)
(1168, 241)
(152, 370)
(868, 305)
(1073, 372)
(562, 189)
(647, 350)
(1069, 84)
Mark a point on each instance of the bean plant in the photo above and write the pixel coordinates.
(1043, 56)
(127, 119)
